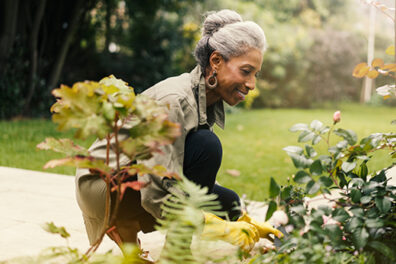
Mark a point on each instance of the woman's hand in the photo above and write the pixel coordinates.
(240, 234)
(264, 228)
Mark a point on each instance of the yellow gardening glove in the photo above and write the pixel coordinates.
(239, 234)
(264, 228)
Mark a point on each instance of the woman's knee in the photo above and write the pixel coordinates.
(206, 144)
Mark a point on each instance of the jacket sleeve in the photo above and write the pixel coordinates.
(171, 158)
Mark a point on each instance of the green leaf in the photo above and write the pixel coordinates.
(372, 186)
(312, 187)
(305, 136)
(354, 223)
(340, 215)
(115, 85)
(298, 209)
(300, 161)
(324, 130)
(286, 192)
(302, 177)
(80, 107)
(342, 144)
(360, 237)
(64, 145)
(274, 188)
(349, 135)
(325, 209)
(365, 199)
(311, 152)
(271, 209)
(380, 177)
(325, 181)
(316, 139)
(316, 125)
(334, 232)
(355, 195)
(293, 150)
(382, 248)
(316, 168)
(357, 212)
(363, 170)
(298, 127)
(383, 204)
(52, 228)
(374, 223)
(348, 166)
(356, 182)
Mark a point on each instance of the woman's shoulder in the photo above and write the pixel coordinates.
(176, 87)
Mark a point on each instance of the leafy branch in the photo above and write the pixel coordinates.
(132, 126)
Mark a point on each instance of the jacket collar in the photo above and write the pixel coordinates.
(199, 89)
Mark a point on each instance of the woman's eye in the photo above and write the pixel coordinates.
(246, 72)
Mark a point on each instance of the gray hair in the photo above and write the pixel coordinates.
(226, 32)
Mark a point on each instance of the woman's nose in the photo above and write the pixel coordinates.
(251, 83)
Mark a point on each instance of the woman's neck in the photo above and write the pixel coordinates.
(211, 97)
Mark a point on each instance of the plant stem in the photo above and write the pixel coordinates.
(117, 147)
(328, 134)
(108, 150)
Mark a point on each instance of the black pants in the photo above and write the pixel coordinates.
(202, 159)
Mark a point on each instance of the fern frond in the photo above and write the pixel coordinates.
(184, 218)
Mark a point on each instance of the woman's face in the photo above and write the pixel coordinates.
(237, 76)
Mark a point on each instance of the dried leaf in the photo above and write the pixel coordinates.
(157, 170)
(389, 67)
(360, 70)
(233, 172)
(390, 50)
(135, 185)
(377, 63)
(63, 145)
(372, 74)
(79, 162)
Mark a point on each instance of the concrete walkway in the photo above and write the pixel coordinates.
(28, 199)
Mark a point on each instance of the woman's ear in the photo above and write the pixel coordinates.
(215, 60)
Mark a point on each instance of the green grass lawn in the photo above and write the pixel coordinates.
(252, 143)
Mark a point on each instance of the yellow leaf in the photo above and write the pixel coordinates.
(377, 63)
(372, 74)
(387, 97)
(360, 70)
(389, 67)
(390, 50)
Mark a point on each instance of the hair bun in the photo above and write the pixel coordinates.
(216, 20)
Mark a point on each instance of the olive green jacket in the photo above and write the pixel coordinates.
(186, 96)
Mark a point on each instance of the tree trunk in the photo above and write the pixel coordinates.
(109, 8)
(33, 54)
(10, 15)
(60, 59)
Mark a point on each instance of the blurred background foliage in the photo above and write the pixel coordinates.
(313, 47)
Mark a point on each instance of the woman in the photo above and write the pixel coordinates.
(229, 55)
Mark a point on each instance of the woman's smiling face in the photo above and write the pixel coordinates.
(237, 76)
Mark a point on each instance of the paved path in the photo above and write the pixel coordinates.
(28, 199)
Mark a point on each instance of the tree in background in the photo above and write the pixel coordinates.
(45, 43)
(313, 45)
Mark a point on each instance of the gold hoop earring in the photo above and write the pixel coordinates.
(211, 83)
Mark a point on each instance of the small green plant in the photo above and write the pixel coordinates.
(183, 212)
(102, 109)
(359, 224)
